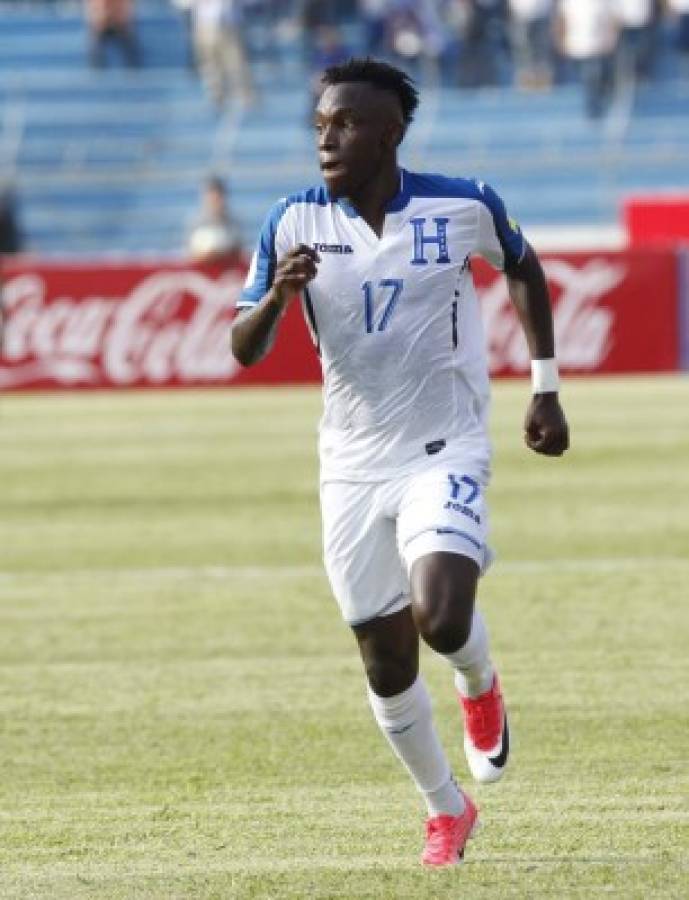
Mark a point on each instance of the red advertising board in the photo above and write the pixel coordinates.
(613, 312)
(127, 325)
(661, 219)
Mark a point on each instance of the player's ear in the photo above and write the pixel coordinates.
(392, 135)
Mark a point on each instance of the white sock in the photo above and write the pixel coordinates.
(474, 670)
(406, 720)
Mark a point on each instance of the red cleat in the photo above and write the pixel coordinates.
(486, 734)
(446, 836)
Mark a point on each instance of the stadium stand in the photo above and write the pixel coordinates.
(110, 161)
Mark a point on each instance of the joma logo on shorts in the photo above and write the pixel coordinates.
(332, 248)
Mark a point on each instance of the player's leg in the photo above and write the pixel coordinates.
(236, 63)
(442, 531)
(443, 588)
(389, 648)
(98, 37)
(130, 46)
(209, 65)
(372, 589)
(443, 592)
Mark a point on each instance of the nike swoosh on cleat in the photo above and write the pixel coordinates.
(500, 760)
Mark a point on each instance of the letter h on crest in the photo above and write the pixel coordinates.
(420, 241)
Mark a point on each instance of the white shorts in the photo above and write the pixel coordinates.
(373, 532)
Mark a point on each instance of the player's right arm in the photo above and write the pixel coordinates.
(254, 329)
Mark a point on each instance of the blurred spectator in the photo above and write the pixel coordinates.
(679, 9)
(214, 235)
(455, 16)
(414, 34)
(220, 50)
(636, 38)
(486, 45)
(184, 8)
(313, 15)
(587, 37)
(532, 41)
(373, 14)
(262, 21)
(329, 49)
(110, 21)
(10, 236)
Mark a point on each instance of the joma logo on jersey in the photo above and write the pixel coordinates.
(423, 240)
(332, 248)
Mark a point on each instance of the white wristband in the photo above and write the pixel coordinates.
(545, 377)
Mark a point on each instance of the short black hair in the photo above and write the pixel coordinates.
(380, 74)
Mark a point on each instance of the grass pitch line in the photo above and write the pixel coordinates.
(173, 573)
(219, 865)
(604, 564)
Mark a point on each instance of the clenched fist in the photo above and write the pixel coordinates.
(294, 271)
(545, 427)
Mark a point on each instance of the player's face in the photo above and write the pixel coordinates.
(357, 132)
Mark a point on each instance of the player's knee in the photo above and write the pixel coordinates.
(390, 677)
(443, 591)
(444, 622)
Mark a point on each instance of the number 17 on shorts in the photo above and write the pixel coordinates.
(444, 511)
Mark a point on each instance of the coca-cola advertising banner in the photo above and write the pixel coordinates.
(103, 326)
(97, 326)
(613, 312)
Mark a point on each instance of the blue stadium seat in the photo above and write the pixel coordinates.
(112, 160)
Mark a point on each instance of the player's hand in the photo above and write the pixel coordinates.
(294, 271)
(545, 428)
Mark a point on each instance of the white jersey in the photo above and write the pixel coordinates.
(395, 319)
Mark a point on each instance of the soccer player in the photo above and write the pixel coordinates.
(381, 259)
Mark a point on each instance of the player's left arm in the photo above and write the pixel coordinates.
(545, 426)
(501, 242)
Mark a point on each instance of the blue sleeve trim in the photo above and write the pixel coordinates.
(266, 258)
(430, 185)
(264, 266)
(508, 232)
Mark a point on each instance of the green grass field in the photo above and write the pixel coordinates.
(182, 711)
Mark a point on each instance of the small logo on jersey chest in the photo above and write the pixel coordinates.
(332, 248)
